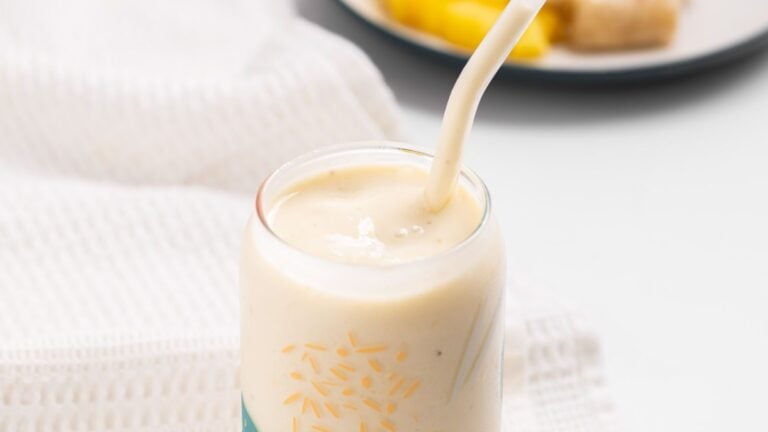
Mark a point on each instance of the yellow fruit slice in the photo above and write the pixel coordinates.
(552, 22)
(534, 43)
(495, 3)
(402, 10)
(430, 14)
(467, 22)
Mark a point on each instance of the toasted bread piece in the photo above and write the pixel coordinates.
(621, 24)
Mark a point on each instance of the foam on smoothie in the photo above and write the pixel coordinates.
(371, 215)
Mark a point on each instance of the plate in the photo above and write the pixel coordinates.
(711, 33)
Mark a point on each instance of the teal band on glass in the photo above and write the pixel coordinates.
(248, 425)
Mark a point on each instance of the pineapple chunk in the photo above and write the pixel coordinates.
(402, 11)
(553, 23)
(534, 43)
(431, 14)
(495, 3)
(467, 22)
(427, 15)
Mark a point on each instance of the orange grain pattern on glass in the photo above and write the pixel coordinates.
(316, 346)
(396, 387)
(320, 389)
(372, 349)
(375, 365)
(387, 425)
(341, 375)
(315, 409)
(332, 409)
(372, 405)
(412, 389)
(292, 398)
(391, 408)
(366, 382)
(315, 366)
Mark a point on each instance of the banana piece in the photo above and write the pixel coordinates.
(622, 24)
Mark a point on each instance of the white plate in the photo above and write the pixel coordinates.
(711, 32)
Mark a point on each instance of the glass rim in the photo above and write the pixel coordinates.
(372, 146)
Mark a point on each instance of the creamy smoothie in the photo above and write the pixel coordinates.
(364, 310)
(373, 215)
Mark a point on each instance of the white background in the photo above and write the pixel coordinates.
(647, 206)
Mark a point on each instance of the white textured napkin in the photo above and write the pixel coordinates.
(132, 137)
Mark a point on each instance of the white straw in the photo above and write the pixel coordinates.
(467, 92)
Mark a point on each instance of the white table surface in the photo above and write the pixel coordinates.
(647, 206)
